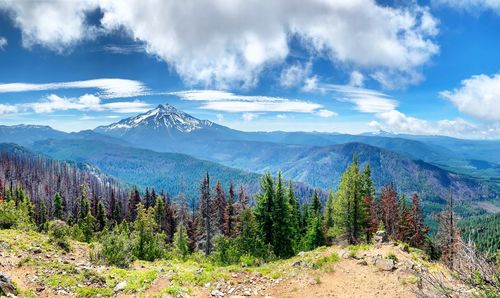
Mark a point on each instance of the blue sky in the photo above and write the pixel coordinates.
(426, 67)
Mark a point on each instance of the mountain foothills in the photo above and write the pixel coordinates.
(188, 197)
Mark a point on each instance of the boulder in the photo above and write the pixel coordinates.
(120, 286)
(385, 264)
(6, 286)
(381, 237)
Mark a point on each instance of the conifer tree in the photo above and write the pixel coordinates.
(231, 214)
(148, 199)
(282, 233)
(57, 207)
(294, 214)
(418, 230)
(114, 210)
(315, 205)
(101, 220)
(160, 215)
(314, 236)
(207, 216)
(133, 201)
(148, 245)
(243, 198)
(348, 205)
(181, 241)
(264, 208)
(170, 222)
(220, 209)
(42, 216)
(389, 208)
(371, 217)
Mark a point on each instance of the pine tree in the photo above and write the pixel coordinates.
(181, 241)
(133, 201)
(148, 199)
(220, 209)
(371, 217)
(170, 222)
(148, 245)
(282, 233)
(390, 210)
(264, 208)
(207, 216)
(314, 236)
(231, 214)
(315, 205)
(57, 207)
(418, 230)
(114, 210)
(294, 214)
(101, 220)
(243, 198)
(349, 207)
(42, 216)
(159, 214)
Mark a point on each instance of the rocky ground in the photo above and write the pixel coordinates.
(36, 268)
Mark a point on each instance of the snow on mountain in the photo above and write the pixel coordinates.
(162, 117)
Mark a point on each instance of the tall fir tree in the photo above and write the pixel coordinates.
(133, 202)
(294, 214)
(101, 219)
(231, 213)
(418, 230)
(315, 205)
(349, 206)
(243, 198)
(264, 208)
(207, 216)
(390, 210)
(219, 202)
(57, 207)
(282, 232)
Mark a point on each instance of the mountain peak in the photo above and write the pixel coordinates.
(164, 116)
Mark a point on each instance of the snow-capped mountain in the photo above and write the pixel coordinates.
(163, 117)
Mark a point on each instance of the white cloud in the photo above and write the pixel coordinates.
(249, 116)
(7, 109)
(357, 79)
(471, 5)
(326, 113)
(55, 24)
(281, 116)
(3, 42)
(111, 88)
(87, 102)
(295, 74)
(229, 43)
(230, 102)
(478, 96)
(398, 122)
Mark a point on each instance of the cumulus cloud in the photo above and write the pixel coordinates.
(471, 5)
(7, 109)
(478, 96)
(398, 122)
(55, 24)
(110, 88)
(229, 43)
(323, 113)
(3, 42)
(230, 102)
(357, 79)
(295, 75)
(249, 116)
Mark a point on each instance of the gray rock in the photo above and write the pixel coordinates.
(7, 288)
(120, 286)
(362, 262)
(385, 264)
(217, 293)
(381, 237)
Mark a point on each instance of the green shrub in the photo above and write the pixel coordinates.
(8, 214)
(116, 246)
(330, 259)
(148, 245)
(391, 256)
(58, 233)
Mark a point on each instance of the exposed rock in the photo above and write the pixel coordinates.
(381, 237)
(120, 286)
(385, 264)
(362, 262)
(7, 288)
(217, 293)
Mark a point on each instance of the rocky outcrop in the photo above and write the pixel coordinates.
(6, 286)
